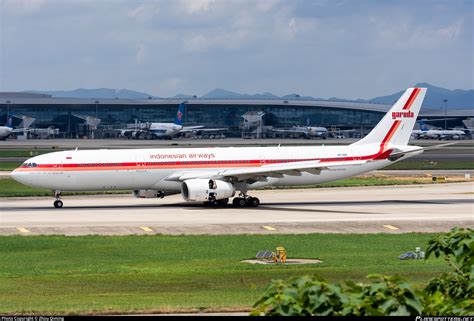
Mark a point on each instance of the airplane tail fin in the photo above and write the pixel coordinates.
(180, 114)
(397, 125)
(10, 122)
(423, 126)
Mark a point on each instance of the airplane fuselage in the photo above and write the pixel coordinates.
(149, 168)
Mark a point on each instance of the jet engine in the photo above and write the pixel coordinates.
(206, 190)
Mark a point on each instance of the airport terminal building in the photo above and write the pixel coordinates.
(69, 114)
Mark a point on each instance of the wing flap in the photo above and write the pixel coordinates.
(261, 172)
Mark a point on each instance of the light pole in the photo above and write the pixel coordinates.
(94, 128)
(445, 115)
(8, 110)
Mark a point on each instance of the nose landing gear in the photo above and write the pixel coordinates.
(58, 203)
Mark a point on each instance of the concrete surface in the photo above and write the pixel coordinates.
(390, 209)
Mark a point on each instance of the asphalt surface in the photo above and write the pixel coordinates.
(389, 209)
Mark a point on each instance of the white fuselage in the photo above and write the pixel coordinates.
(165, 129)
(439, 133)
(150, 168)
(5, 131)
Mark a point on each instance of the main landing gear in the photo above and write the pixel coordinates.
(245, 201)
(58, 203)
(241, 201)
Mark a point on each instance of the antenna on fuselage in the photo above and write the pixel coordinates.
(76, 148)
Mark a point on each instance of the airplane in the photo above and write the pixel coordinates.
(164, 130)
(6, 131)
(312, 131)
(305, 131)
(425, 132)
(214, 175)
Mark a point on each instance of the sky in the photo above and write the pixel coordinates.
(323, 48)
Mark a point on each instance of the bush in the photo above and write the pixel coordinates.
(449, 294)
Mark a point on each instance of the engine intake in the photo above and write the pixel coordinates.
(206, 190)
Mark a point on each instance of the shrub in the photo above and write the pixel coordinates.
(449, 294)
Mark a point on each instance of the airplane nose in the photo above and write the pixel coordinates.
(18, 176)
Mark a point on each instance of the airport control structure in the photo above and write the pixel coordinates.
(102, 118)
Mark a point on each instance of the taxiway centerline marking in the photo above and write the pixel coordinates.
(269, 228)
(391, 227)
(146, 228)
(23, 230)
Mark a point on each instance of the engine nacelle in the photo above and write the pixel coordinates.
(205, 190)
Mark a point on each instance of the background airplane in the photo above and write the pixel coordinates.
(312, 132)
(24, 127)
(434, 133)
(165, 130)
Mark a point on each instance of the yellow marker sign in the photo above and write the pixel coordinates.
(146, 228)
(23, 230)
(391, 227)
(269, 228)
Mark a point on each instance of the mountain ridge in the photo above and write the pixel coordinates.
(456, 98)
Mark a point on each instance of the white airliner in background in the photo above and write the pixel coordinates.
(165, 130)
(434, 133)
(213, 175)
(312, 131)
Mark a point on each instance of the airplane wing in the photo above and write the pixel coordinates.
(21, 130)
(190, 128)
(295, 131)
(257, 173)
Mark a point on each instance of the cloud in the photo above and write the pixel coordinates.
(22, 6)
(314, 47)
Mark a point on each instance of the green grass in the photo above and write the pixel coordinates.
(431, 165)
(9, 166)
(100, 274)
(25, 153)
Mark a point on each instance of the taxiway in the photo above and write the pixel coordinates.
(392, 209)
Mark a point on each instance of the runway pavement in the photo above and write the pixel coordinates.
(388, 209)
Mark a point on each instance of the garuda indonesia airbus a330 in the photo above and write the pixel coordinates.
(214, 175)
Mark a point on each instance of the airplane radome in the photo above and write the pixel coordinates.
(213, 176)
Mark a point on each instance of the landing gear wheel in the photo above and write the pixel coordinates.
(239, 202)
(223, 201)
(58, 204)
(253, 202)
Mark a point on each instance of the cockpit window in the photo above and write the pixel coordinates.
(29, 165)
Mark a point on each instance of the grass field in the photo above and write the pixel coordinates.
(431, 165)
(131, 274)
(25, 152)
